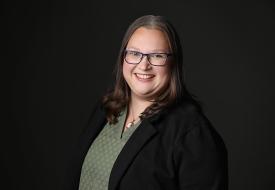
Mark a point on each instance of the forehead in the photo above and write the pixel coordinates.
(148, 40)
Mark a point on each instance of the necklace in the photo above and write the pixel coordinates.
(131, 123)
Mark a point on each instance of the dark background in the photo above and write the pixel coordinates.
(58, 58)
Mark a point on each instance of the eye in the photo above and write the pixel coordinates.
(159, 56)
(133, 53)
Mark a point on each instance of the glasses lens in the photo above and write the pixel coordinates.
(158, 58)
(133, 57)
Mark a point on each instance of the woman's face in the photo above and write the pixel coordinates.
(144, 79)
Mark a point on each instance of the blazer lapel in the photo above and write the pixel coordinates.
(95, 124)
(142, 134)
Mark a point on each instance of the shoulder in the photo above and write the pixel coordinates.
(185, 109)
(185, 122)
(182, 115)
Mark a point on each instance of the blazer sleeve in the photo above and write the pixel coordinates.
(201, 158)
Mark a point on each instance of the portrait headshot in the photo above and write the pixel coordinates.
(149, 132)
(138, 95)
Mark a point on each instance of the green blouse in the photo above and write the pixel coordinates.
(100, 158)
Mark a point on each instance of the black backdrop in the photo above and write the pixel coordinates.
(59, 57)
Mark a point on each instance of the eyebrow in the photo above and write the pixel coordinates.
(152, 51)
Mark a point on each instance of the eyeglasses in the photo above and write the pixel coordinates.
(156, 59)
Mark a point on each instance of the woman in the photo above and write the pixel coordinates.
(149, 133)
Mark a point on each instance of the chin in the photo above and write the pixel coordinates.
(145, 94)
(144, 91)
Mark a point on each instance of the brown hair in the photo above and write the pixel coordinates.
(115, 101)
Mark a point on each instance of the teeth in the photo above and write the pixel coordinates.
(144, 76)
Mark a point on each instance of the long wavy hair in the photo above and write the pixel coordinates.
(116, 100)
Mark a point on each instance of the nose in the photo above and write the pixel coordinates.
(144, 63)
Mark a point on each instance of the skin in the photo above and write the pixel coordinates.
(145, 80)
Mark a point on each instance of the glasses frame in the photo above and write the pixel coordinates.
(147, 57)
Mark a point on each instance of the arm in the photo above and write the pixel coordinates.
(201, 159)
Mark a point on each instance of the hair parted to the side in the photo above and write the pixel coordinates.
(117, 100)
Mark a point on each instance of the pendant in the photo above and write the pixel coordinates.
(130, 124)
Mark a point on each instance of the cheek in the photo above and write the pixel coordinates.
(164, 75)
(126, 69)
(123, 70)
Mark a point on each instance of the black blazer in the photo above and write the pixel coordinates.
(176, 149)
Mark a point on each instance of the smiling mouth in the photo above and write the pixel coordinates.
(144, 76)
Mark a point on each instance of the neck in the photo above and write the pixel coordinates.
(137, 106)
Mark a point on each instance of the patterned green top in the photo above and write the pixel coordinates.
(98, 163)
